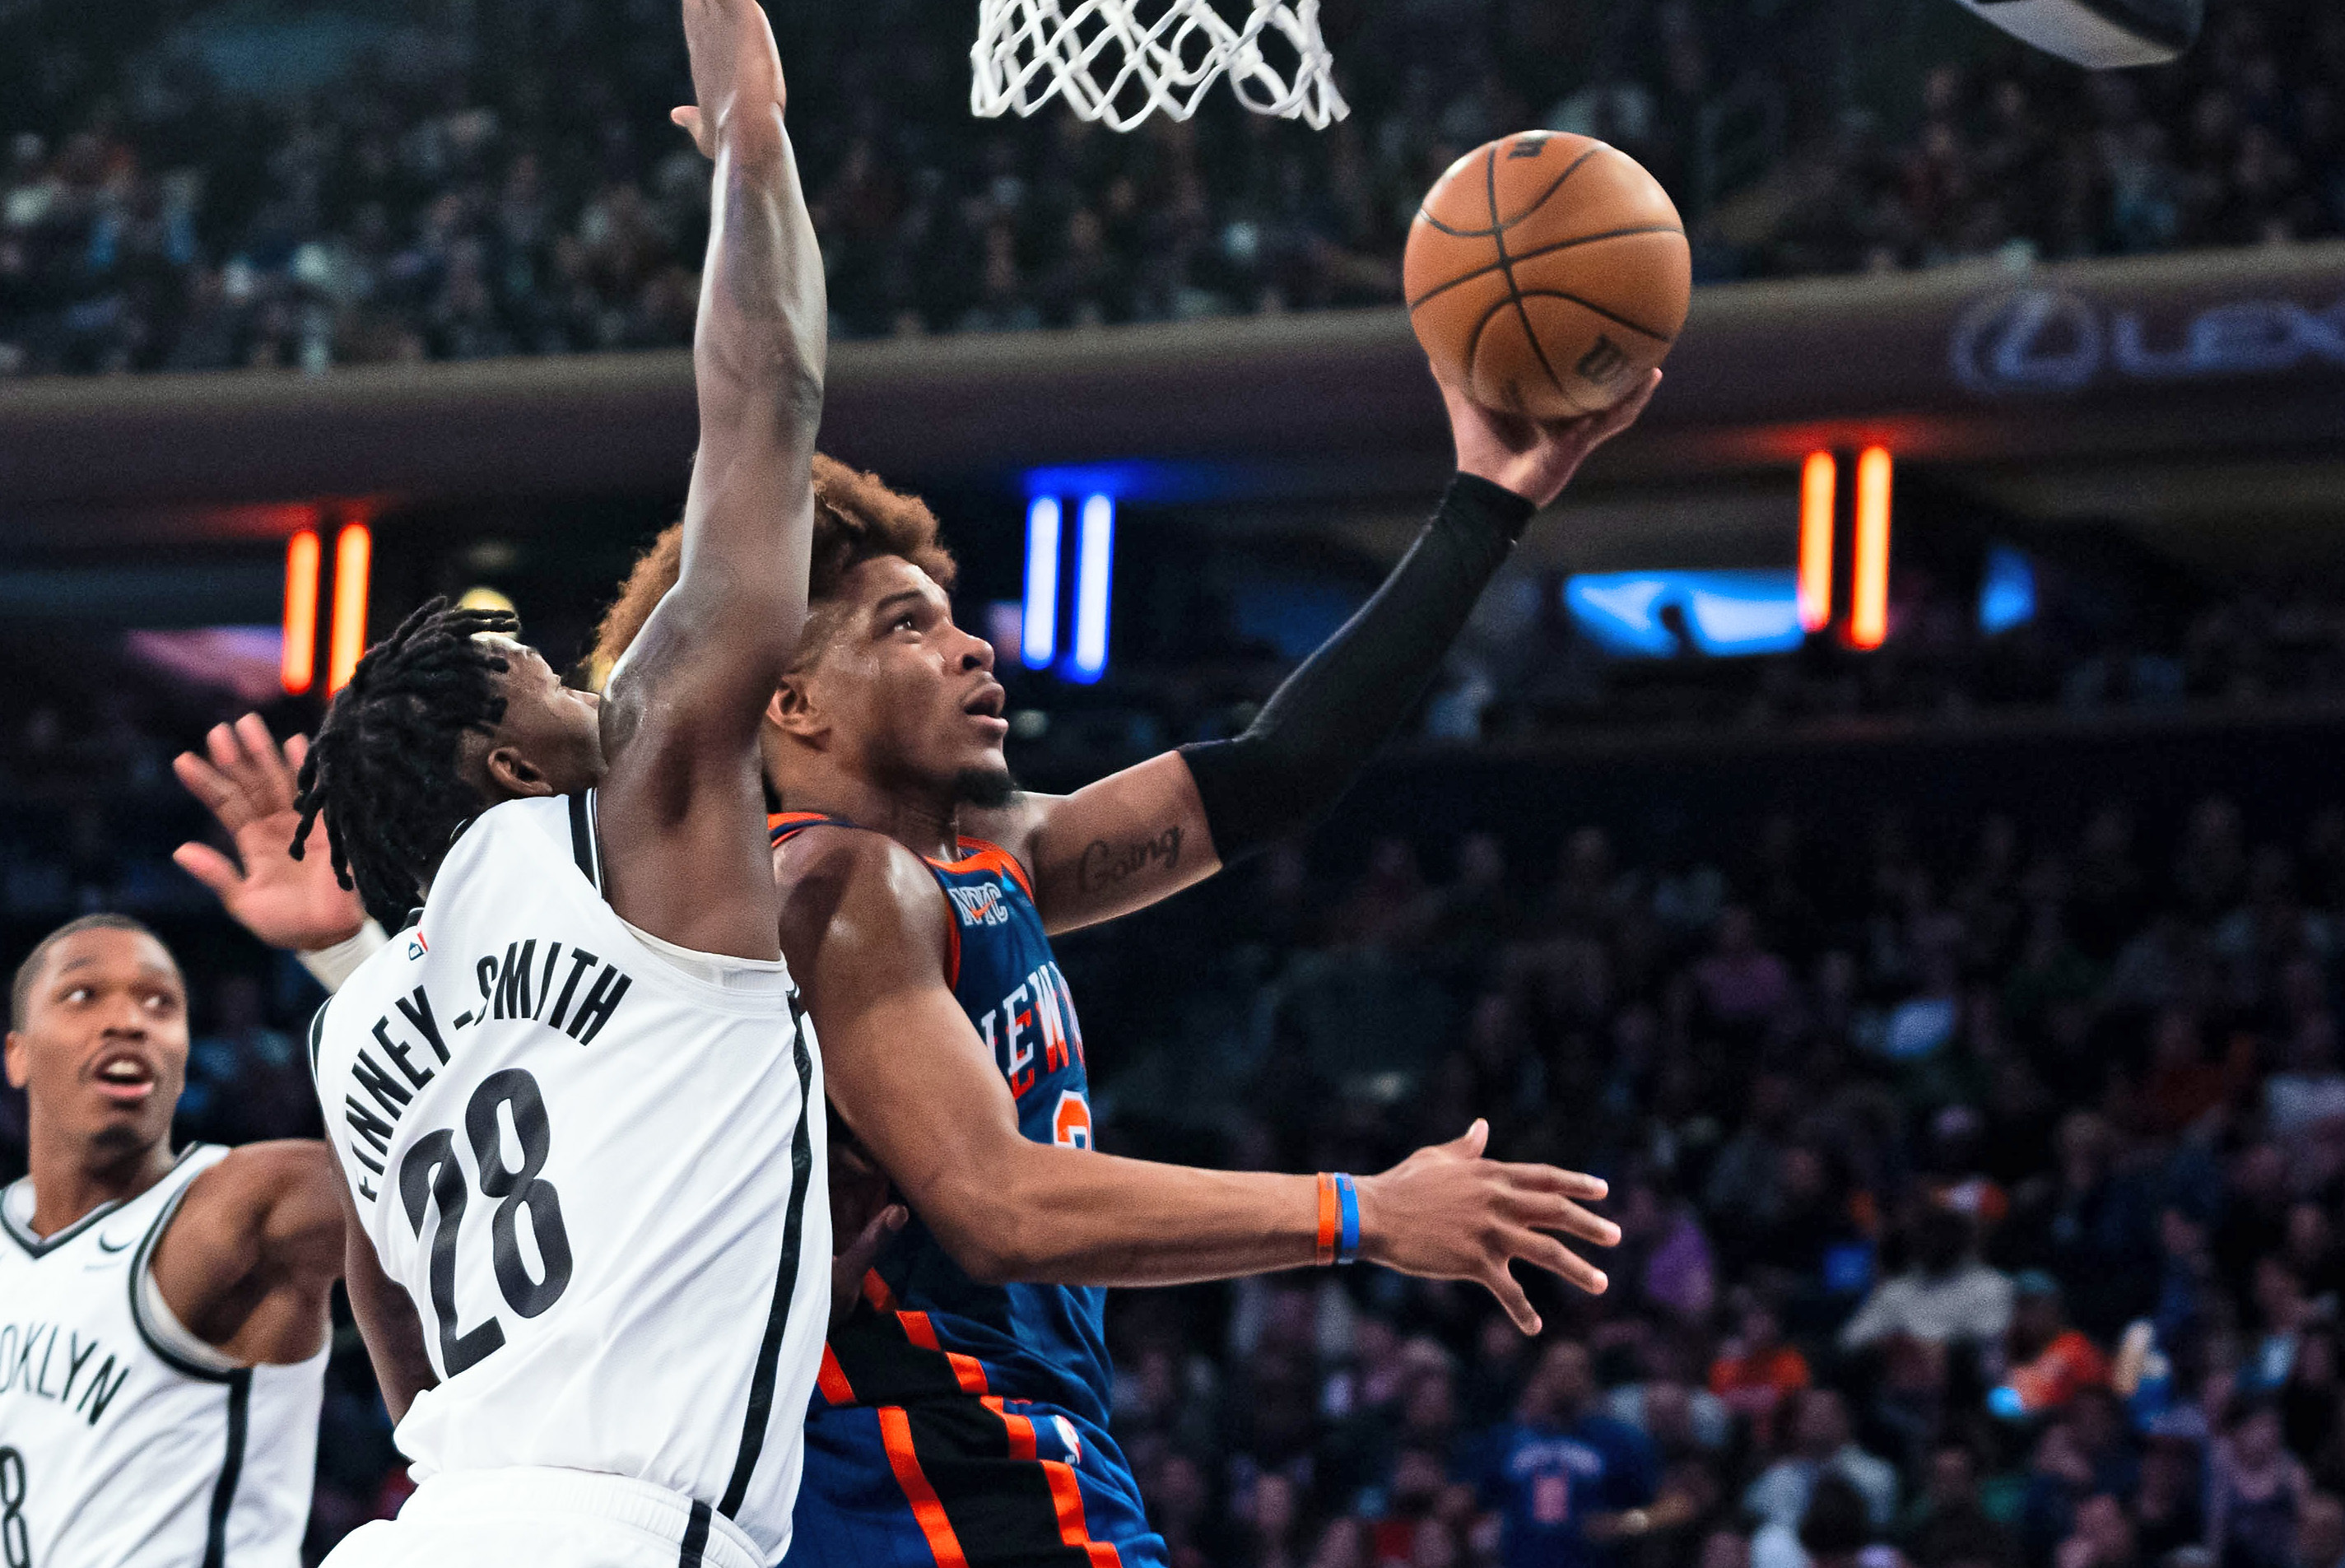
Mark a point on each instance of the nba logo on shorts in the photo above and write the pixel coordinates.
(1067, 1435)
(1603, 362)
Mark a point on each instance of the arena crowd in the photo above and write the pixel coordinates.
(500, 181)
(1980, 1186)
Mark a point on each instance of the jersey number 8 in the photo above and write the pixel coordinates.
(16, 1537)
(431, 1175)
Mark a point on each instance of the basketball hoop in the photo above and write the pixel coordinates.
(1112, 66)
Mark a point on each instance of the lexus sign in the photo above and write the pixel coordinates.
(2054, 340)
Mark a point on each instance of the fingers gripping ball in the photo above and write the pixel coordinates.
(1545, 274)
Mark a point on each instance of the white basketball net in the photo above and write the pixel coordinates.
(1112, 66)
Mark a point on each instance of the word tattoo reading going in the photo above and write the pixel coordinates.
(1104, 865)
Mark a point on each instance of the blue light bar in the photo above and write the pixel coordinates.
(1726, 612)
(1038, 641)
(1095, 565)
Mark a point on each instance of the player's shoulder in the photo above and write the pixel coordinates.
(832, 858)
(848, 890)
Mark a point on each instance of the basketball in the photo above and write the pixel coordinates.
(1545, 273)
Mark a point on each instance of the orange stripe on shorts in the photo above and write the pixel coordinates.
(896, 1432)
(832, 1381)
(1069, 1499)
(966, 1370)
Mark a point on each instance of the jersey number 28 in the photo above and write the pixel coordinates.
(431, 1175)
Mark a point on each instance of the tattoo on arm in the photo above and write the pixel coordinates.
(1104, 865)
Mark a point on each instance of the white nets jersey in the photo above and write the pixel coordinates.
(592, 1162)
(116, 1450)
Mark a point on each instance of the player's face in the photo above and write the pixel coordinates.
(911, 694)
(550, 739)
(102, 1049)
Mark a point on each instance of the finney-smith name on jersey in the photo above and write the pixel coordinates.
(569, 988)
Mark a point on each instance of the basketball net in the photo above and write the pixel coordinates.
(1112, 66)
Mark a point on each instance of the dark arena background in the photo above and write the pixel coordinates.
(1888, 818)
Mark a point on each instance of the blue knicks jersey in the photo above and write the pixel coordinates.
(926, 1329)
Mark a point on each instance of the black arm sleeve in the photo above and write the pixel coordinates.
(1325, 721)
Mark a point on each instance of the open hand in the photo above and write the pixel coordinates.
(1535, 461)
(246, 782)
(735, 68)
(1446, 1213)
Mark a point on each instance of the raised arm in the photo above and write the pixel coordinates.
(681, 711)
(864, 926)
(1147, 833)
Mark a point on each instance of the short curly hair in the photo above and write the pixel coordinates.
(856, 518)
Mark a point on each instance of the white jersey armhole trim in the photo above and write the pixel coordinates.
(157, 1323)
(163, 1325)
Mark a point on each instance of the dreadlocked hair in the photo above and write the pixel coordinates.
(383, 770)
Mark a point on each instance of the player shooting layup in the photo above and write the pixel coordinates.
(163, 1325)
(962, 1413)
(574, 1100)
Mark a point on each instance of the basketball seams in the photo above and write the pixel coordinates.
(1506, 264)
(1500, 225)
(1636, 232)
(1614, 317)
(1474, 347)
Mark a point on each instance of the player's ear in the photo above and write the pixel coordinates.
(513, 776)
(17, 1072)
(791, 709)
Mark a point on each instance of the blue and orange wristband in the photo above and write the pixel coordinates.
(1339, 1220)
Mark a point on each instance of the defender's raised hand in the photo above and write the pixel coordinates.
(1446, 1213)
(246, 780)
(735, 67)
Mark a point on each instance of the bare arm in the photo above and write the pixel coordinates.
(1147, 833)
(681, 713)
(1110, 847)
(248, 1261)
(863, 925)
(386, 1315)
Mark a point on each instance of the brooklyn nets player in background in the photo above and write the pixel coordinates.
(576, 1110)
(163, 1325)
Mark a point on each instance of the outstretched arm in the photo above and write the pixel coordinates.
(681, 711)
(250, 1258)
(863, 924)
(1151, 831)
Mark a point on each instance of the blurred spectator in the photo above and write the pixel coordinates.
(1821, 1445)
(1948, 1298)
(1570, 1486)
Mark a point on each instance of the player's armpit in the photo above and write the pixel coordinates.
(248, 1262)
(1110, 847)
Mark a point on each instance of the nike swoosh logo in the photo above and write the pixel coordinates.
(105, 1246)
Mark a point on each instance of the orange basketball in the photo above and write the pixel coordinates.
(1545, 274)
